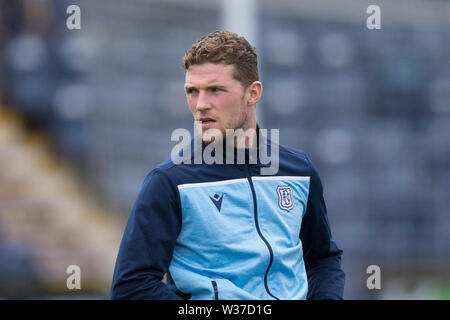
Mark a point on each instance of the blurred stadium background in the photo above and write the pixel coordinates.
(86, 114)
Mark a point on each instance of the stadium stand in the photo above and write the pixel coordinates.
(48, 220)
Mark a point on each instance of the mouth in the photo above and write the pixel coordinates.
(207, 122)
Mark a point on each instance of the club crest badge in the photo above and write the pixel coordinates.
(285, 199)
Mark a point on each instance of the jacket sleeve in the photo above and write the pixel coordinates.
(321, 254)
(148, 241)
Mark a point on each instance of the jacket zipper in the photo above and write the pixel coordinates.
(216, 291)
(260, 234)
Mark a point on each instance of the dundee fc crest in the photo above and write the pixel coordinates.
(285, 199)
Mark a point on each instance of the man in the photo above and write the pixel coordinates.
(224, 231)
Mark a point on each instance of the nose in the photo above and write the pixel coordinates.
(203, 102)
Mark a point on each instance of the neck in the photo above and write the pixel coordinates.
(245, 137)
(229, 153)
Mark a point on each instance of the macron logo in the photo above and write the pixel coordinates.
(217, 200)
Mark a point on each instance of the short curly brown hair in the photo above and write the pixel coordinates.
(228, 48)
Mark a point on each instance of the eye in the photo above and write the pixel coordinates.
(215, 89)
(191, 91)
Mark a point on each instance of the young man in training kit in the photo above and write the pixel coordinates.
(226, 230)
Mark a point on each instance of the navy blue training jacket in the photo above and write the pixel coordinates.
(224, 231)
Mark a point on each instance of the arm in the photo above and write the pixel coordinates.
(320, 252)
(148, 241)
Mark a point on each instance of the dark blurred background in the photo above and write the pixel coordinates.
(86, 114)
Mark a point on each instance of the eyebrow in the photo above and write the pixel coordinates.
(188, 87)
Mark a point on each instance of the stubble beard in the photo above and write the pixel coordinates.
(239, 123)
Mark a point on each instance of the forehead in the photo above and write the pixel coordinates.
(210, 73)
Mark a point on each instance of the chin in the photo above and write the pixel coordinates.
(210, 136)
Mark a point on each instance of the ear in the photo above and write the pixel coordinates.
(254, 92)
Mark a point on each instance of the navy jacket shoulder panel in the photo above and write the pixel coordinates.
(322, 256)
(145, 251)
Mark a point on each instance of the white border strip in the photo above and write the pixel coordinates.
(300, 178)
(208, 184)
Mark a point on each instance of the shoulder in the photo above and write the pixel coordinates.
(293, 153)
(296, 158)
(159, 176)
(165, 167)
(171, 174)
